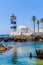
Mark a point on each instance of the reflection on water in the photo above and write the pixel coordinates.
(19, 55)
(14, 56)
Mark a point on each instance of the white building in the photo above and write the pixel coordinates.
(36, 30)
(22, 30)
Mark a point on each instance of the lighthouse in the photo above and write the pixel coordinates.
(13, 24)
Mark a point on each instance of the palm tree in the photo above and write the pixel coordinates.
(34, 18)
(42, 23)
(38, 24)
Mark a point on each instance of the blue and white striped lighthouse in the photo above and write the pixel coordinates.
(13, 24)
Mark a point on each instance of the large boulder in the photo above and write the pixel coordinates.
(4, 47)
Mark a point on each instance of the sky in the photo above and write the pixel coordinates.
(22, 9)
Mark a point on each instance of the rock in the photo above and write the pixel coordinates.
(30, 55)
(4, 47)
(39, 53)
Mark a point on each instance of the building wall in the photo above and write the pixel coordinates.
(25, 31)
(36, 30)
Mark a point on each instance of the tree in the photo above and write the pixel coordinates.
(42, 23)
(38, 24)
(34, 19)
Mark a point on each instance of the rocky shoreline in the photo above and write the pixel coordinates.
(4, 47)
(22, 38)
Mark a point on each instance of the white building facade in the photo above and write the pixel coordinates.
(22, 30)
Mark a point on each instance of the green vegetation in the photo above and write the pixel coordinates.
(39, 61)
(41, 22)
(38, 24)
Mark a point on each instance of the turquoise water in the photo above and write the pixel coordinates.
(19, 55)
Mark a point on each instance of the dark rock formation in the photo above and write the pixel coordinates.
(37, 38)
(30, 55)
(39, 53)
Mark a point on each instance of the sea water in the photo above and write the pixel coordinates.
(19, 55)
